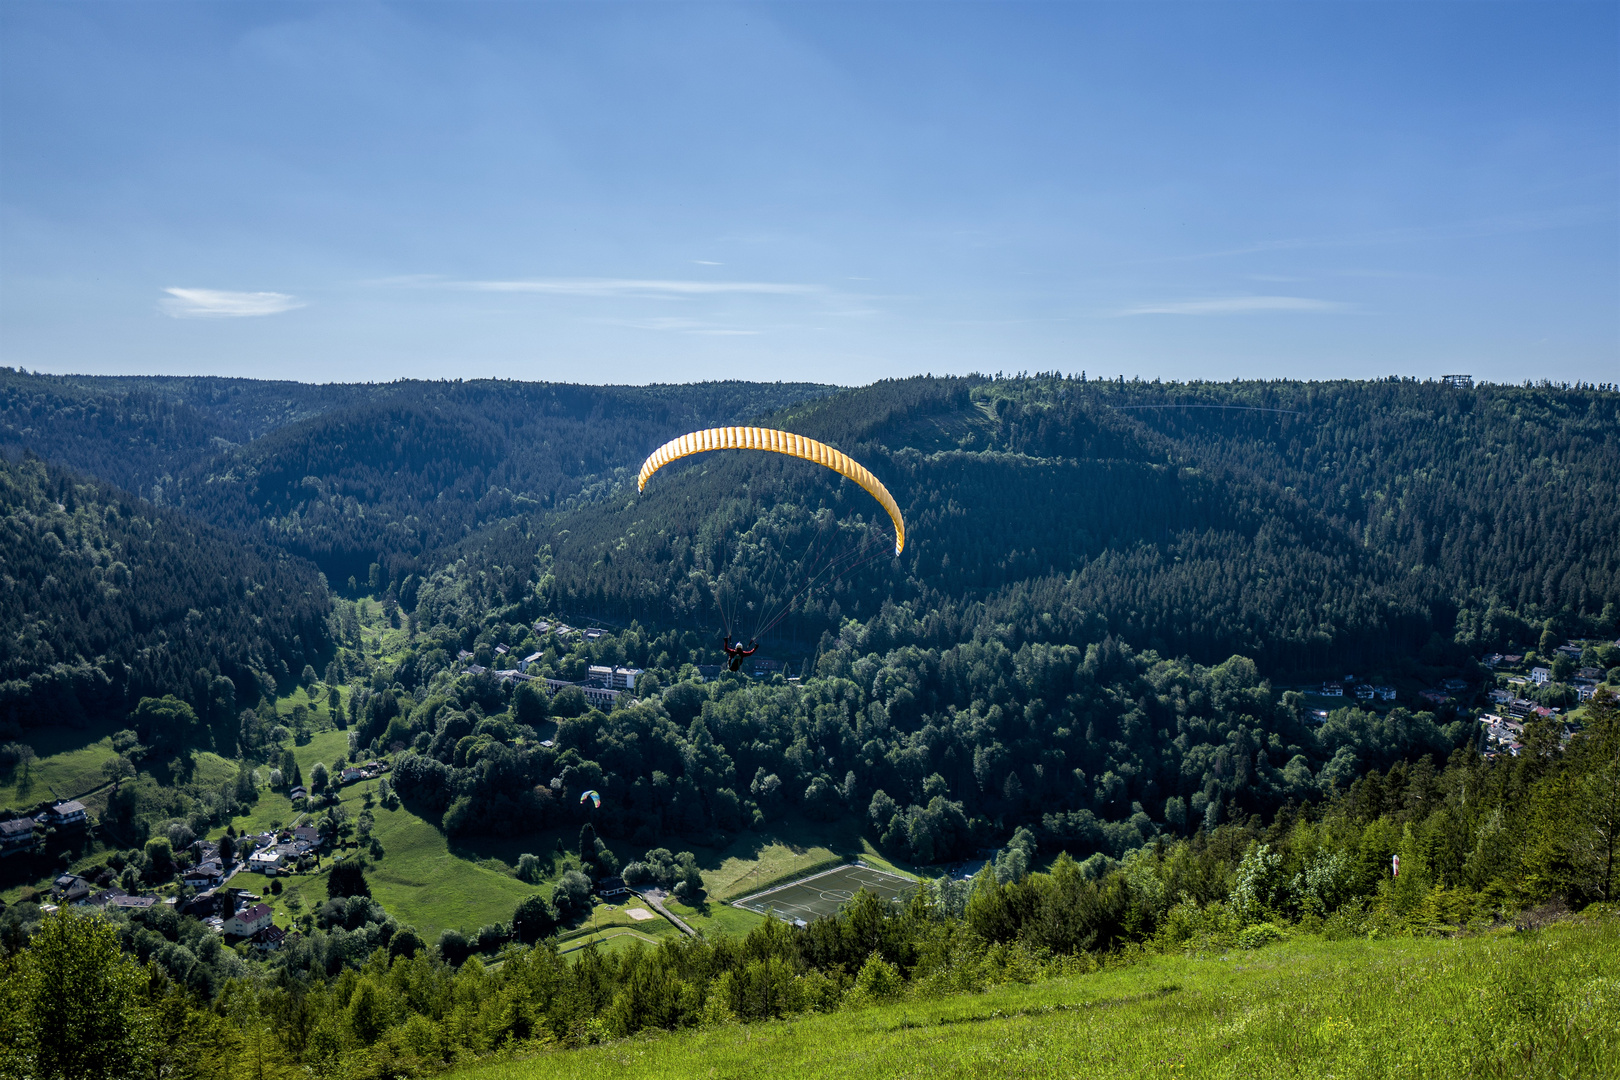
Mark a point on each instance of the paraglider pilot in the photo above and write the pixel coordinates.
(736, 654)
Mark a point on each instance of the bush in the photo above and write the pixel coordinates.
(878, 980)
(406, 942)
(1252, 937)
(348, 878)
(533, 920)
(572, 896)
(453, 948)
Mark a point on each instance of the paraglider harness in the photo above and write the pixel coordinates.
(736, 654)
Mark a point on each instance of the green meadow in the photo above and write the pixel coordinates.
(69, 765)
(1504, 1004)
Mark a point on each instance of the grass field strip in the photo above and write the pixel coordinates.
(803, 899)
(605, 935)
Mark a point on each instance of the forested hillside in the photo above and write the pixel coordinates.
(1313, 527)
(396, 480)
(351, 474)
(105, 598)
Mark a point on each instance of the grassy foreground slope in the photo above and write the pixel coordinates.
(1537, 1003)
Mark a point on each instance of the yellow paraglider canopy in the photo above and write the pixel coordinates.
(779, 442)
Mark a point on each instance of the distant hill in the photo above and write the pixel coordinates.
(105, 598)
(1312, 526)
(351, 474)
(1316, 527)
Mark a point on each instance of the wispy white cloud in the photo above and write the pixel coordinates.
(707, 262)
(1234, 305)
(219, 304)
(634, 287)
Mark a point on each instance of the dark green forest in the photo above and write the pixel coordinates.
(1345, 526)
(105, 599)
(1104, 584)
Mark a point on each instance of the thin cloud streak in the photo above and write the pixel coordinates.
(634, 286)
(1235, 305)
(219, 304)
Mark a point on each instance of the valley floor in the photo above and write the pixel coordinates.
(1519, 1004)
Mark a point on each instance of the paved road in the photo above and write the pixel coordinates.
(653, 900)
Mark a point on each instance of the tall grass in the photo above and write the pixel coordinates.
(1537, 1004)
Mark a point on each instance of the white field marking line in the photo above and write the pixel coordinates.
(845, 868)
(740, 901)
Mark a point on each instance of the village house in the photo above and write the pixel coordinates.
(511, 676)
(248, 921)
(66, 813)
(209, 875)
(612, 886)
(1332, 689)
(614, 678)
(299, 792)
(1364, 691)
(599, 697)
(532, 658)
(130, 903)
(352, 773)
(309, 834)
(1435, 697)
(100, 899)
(270, 938)
(1540, 676)
(268, 862)
(542, 627)
(202, 905)
(70, 889)
(1454, 685)
(1384, 693)
(16, 835)
(594, 633)
(501, 650)
(1571, 651)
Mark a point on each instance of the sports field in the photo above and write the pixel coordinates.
(823, 894)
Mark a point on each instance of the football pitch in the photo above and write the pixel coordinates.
(820, 895)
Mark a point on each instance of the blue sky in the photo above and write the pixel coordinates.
(841, 192)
